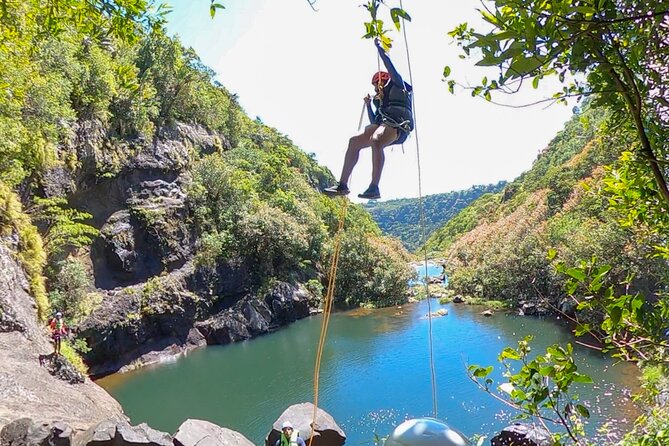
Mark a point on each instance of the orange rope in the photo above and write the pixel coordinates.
(327, 310)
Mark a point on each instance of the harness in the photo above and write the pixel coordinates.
(392, 96)
(58, 327)
(396, 97)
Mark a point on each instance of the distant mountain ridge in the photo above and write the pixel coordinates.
(401, 218)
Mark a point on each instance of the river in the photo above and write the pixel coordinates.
(375, 373)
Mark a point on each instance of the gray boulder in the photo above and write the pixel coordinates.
(26, 432)
(101, 434)
(140, 435)
(521, 434)
(204, 433)
(326, 430)
(567, 306)
(121, 433)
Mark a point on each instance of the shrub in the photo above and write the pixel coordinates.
(30, 251)
(70, 287)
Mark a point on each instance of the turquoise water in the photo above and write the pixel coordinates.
(374, 374)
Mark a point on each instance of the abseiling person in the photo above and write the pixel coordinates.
(391, 123)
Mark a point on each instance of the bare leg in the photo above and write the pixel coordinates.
(355, 144)
(382, 137)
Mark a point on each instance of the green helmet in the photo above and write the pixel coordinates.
(426, 432)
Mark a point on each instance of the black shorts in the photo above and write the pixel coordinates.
(399, 118)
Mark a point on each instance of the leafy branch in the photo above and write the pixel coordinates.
(374, 28)
(62, 227)
(609, 42)
(630, 326)
(540, 387)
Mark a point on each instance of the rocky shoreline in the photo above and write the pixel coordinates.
(44, 401)
(147, 324)
(37, 386)
(119, 432)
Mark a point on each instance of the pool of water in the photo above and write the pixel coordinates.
(375, 374)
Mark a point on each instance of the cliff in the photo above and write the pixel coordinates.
(27, 389)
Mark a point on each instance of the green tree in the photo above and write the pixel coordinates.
(98, 19)
(70, 288)
(619, 45)
(62, 227)
(372, 270)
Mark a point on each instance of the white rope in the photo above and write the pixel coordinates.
(433, 374)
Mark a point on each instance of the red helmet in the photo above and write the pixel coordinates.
(380, 77)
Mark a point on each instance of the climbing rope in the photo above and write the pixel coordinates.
(327, 310)
(433, 374)
(362, 115)
(329, 297)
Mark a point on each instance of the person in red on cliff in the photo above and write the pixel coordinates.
(58, 331)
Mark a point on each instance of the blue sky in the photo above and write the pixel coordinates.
(305, 73)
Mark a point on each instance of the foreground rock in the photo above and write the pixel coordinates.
(439, 313)
(115, 432)
(326, 430)
(25, 431)
(121, 433)
(28, 390)
(521, 434)
(204, 433)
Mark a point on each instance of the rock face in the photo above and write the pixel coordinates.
(326, 430)
(62, 369)
(532, 309)
(155, 302)
(521, 434)
(28, 390)
(135, 191)
(204, 433)
(165, 317)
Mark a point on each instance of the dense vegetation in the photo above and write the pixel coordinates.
(401, 218)
(497, 247)
(565, 221)
(72, 71)
(585, 229)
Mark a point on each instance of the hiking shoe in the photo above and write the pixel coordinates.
(333, 191)
(372, 193)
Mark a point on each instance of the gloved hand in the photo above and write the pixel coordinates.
(377, 42)
(367, 99)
